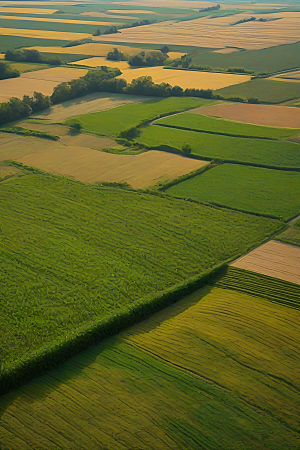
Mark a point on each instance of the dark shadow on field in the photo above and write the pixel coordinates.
(39, 388)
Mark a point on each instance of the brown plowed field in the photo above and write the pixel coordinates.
(266, 115)
(85, 164)
(217, 33)
(275, 259)
(99, 101)
(43, 81)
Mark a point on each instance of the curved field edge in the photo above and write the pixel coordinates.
(54, 285)
(259, 285)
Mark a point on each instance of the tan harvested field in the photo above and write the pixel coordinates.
(7, 171)
(216, 33)
(101, 61)
(225, 51)
(85, 164)
(275, 259)
(43, 81)
(131, 11)
(50, 19)
(186, 79)
(266, 115)
(99, 101)
(292, 75)
(43, 34)
(95, 49)
(26, 10)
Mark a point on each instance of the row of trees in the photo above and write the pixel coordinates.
(17, 109)
(114, 29)
(151, 58)
(6, 71)
(34, 56)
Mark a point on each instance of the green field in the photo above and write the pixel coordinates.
(198, 122)
(108, 249)
(253, 189)
(253, 151)
(217, 370)
(272, 59)
(274, 289)
(27, 67)
(113, 121)
(11, 42)
(291, 235)
(265, 90)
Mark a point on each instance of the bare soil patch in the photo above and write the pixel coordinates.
(275, 259)
(266, 115)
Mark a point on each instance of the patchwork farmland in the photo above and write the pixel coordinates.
(149, 226)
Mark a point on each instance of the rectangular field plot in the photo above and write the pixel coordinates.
(203, 372)
(204, 145)
(43, 81)
(99, 101)
(197, 122)
(292, 234)
(73, 254)
(253, 189)
(116, 120)
(265, 115)
(270, 91)
(184, 78)
(275, 259)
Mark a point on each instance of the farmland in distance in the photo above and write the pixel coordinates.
(253, 189)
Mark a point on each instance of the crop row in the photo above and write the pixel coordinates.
(274, 289)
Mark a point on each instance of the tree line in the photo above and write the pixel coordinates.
(6, 71)
(34, 56)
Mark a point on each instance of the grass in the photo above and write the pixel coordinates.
(68, 58)
(27, 132)
(11, 42)
(217, 370)
(274, 289)
(253, 189)
(272, 59)
(268, 91)
(199, 122)
(291, 235)
(252, 151)
(112, 122)
(73, 255)
(27, 67)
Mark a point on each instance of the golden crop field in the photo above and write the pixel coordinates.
(43, 34)
(217, 33)
(88, 165)
(218, 366)
(186, 79)
(93, 49)
(102, 61)
(99, 101)
(25, 10)
(54, 20)
(275, 259)
(43, 81)
(266, 115)
(131, 11)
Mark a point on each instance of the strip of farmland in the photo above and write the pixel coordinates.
(274, 259)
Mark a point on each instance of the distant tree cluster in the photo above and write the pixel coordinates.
(210, 8)
(18, 109)
(151, 58)
(117, 55)
(6, 71)
(249, 19)
(26, 55)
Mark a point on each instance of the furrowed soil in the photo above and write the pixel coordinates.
(270, 116)
(200, 374)
(275, 259)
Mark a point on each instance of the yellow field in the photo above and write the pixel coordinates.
(50, 19)
(186, 79)
(275, 259)
(217, 33)
(26, 10)
(8, 170)
(43, 34)
(88, 165)
(131, 11)
(101, 61)
(217, 363)
(89, 49)
(99, 101)
(43, 81)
